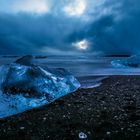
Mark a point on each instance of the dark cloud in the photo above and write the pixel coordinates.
(24, 33)
(115, 30)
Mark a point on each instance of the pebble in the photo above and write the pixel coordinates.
(22, 128)
(44, 118)
(105, 108)
(108, 133)
(122, 128)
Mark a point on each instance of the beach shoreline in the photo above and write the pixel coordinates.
(110, 111)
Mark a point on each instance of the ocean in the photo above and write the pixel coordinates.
(90, 70)
(80, 65)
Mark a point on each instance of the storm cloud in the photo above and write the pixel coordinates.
(110, 27)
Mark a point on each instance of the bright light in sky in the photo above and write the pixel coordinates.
(82, 45)
(32, 6)
(75, 8)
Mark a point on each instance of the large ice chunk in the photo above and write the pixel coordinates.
(133, 61)
(24, 85)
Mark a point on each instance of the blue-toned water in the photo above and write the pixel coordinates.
(88, 65)
(81, 65)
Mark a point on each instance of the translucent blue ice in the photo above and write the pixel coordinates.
(133, 61)
(24, 87)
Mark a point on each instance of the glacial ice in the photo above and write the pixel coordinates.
(131, 62)
(24, 86)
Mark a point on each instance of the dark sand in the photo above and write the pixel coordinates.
(108, 112)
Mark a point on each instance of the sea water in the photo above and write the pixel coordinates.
(90, 70)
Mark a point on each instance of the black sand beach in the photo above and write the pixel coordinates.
(108, 112)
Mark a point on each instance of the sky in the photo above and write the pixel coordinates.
(77, 27)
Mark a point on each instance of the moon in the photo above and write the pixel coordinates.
(81, 45)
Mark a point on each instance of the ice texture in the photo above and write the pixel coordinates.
(133, 61)
(24, 86)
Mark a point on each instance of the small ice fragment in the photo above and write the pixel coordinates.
(82, 135)
(130, 62)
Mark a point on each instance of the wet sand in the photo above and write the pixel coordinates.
(108, 112)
